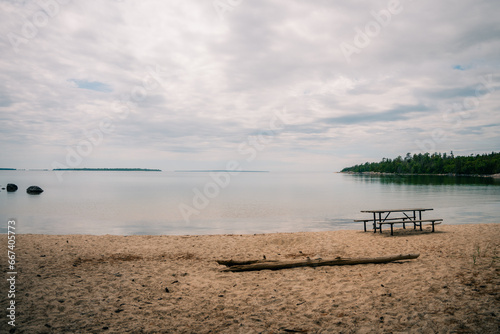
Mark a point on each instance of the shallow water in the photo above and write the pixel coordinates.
(126, 203)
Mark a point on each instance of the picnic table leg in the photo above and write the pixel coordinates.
(432, 226)
(364, 224)
(374, 222)
(392, 232)
(380, 220)
(420, 218)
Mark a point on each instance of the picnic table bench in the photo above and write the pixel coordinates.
(409, 217)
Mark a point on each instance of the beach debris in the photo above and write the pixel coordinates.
(167, 290)
(11, 187)
(230, 263)
(293, 330)
(236, 266)
(34, 190)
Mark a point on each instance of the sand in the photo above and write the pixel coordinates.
(172, 284)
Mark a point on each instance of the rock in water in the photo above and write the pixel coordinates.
(34, 190)
(11, 187)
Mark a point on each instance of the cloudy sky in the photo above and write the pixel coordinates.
(273, 85)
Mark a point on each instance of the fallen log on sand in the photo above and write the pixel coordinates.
(235, 266)
(230, 263)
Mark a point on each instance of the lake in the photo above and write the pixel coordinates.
(177, 203)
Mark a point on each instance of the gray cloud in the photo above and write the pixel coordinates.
(5, 100)
(396, 114)
(197, 86)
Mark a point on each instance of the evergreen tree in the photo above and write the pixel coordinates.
(436, 163)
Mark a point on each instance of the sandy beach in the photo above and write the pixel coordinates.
(173, 284)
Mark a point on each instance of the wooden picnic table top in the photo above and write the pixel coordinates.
(396, 210)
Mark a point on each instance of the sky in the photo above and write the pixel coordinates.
(279, 85)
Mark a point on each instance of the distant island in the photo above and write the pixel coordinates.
(111, 169)
(220, 171)
(436, 163)
(7, 169)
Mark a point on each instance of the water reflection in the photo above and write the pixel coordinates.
(148, 203)
(426, 179)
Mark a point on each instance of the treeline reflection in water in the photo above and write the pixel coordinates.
(426, 179)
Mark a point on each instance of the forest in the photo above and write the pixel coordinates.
(436, 163)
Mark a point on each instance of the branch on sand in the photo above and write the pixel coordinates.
(252, 265)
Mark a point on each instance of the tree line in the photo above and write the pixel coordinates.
(436, 163)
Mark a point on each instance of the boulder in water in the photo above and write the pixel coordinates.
(11, 187)
(34, 190)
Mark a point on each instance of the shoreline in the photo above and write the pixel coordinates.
(423, 174)
(350, 227)
(172, 284)
(356, 227)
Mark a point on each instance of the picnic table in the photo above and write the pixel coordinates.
(408, 216)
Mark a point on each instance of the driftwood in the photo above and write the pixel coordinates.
(230, 263)
(276, 265)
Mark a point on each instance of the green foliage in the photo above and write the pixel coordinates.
(436, 163)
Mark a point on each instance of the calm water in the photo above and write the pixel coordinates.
(128, 203)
